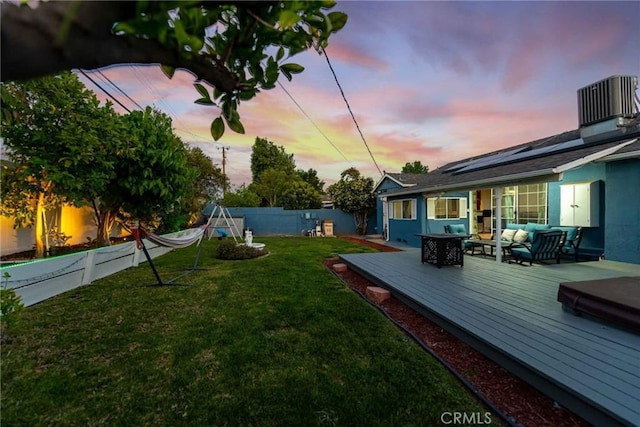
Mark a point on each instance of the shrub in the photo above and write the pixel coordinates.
(230, 250)
(10, 308)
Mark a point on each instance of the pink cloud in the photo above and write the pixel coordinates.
(355, 56)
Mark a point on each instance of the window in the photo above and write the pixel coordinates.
(523, 204)
(446, 208)
(402, 209)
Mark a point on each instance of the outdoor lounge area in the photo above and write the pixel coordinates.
(512, 315)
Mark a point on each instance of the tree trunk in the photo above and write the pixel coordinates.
(39, 226)
(361, 222)
(106, 219)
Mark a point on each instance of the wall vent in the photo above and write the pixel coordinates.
(606, 99)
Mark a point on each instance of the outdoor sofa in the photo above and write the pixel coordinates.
(570, 246)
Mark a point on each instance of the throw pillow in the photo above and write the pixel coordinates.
(508, 235)
(520, 236)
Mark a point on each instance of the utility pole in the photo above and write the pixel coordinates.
(224, 172)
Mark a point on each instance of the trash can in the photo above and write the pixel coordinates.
(327, 227)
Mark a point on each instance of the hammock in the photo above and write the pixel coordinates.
(181, 240)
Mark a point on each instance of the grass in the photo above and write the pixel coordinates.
(274, 341)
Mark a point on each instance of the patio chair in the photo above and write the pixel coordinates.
(461, 230)
(572, 241)
(545, 246)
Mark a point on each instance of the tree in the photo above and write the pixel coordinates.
(311, 177)
(205, 186)
(209, 182)
(242, 197)
(354, 194)
(271, 184)
(151, 173)
(240, 48)
(299, 194)
(59, 141)
(266, 155)
(415, 167)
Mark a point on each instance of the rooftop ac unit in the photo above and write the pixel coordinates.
(606, 99)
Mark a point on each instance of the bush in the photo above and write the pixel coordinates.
(10, 308)
(230, 250)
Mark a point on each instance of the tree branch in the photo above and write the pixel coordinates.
(29, 50)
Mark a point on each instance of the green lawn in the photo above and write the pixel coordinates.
(274, 341)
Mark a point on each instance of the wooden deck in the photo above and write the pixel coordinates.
(510, 313)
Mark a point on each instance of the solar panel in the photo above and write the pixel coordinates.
(517, 155)
(486, 161)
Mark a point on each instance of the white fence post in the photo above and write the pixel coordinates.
(87, 275)
(136, 256)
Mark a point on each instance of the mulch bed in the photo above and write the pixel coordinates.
(515, 398)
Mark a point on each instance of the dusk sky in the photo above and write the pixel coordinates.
(428, 81)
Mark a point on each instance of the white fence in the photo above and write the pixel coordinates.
(38, 280)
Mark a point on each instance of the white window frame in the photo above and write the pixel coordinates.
(431, 208)
(414, 209)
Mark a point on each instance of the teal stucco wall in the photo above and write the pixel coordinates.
(622, 220)
(278, 221)
(405, 230)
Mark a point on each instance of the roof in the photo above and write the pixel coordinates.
(542, 160)
(403, 179)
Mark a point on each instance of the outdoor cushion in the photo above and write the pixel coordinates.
(545, 246)
(520, 236)
(572, 233)
(508, 235)
(458, 229)
(532, 228)
(512, 226)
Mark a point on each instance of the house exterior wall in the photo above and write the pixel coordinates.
(278, 221)
(79, 224)
(436, 226)
(405, 230)
(593, 240)
(622, 205)
(14, 240)
(386, 185)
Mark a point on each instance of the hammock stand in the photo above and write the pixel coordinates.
(182, 240)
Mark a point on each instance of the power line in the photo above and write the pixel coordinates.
(120, 90)
(313, 123)
(145, 81)
(351, 112)
(104, 90)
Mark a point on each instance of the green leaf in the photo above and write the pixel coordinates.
(234, 123)
(204, 101)
(196, 43)
(292, 68)
(123, 28)
(280, 54)
(202, 90)
(288, 19)
(271, 74)
(217, 128)
(246, 95)
(181, 34)
(338, 20)
(168, 70)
